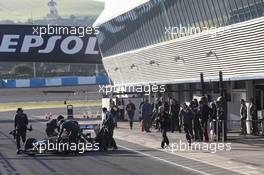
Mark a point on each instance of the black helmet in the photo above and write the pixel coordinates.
(19, 109)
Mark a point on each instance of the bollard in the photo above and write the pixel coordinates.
(217, 130)
(223, 131)
(262, 123)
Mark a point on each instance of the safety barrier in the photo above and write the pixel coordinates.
(54, 81)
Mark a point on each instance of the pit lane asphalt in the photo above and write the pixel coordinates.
(121, 162)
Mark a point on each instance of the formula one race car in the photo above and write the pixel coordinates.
(84, 142)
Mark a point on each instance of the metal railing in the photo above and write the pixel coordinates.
(219, 124)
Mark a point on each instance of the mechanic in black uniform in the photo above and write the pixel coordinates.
(21, 122)
(53, 125)
(205, 112)
(110, 125)
(72, 127)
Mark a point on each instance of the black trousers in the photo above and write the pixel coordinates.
(188, 132)
(146, 122)
(111, 140)
(255, 125)
(122, 114)
(198, 133)
(131, 118)
(21, 134)
(243, 127)
(205, 131)
(175, 123)
(164, 138)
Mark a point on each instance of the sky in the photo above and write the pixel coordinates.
(21, 10)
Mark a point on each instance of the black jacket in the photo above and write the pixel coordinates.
(130, 108)
(254, 112)
(69, 126)
(186, 117)
(52, 125)
(109, 121)
(243, 112)
(21, 121)
(164, 120)
(205, 112)
(165, 105)
(174, 110)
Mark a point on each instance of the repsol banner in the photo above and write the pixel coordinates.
(35, 43)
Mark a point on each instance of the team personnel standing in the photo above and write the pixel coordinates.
(115, 112)
(174, 113)
(213, 117)
(21, 122)
(164, 120)
(109, 124)
(198, 135)
(146, 115)
(186, 116)
(205, 112)
(243, 114)
(220, 117)
(130, 108)
(254, 116)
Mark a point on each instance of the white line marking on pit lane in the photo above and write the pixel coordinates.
(163, 160)
(205, 162)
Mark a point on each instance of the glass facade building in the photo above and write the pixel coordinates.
(163, 20)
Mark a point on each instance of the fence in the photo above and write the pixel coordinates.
(54, 81)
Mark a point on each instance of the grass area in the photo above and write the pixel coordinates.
(44, 105)
(21, 10)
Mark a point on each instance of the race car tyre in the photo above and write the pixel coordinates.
(29, 145)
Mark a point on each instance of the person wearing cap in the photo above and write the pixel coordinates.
(20, 124)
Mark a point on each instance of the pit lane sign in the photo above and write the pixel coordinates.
(34, 43)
